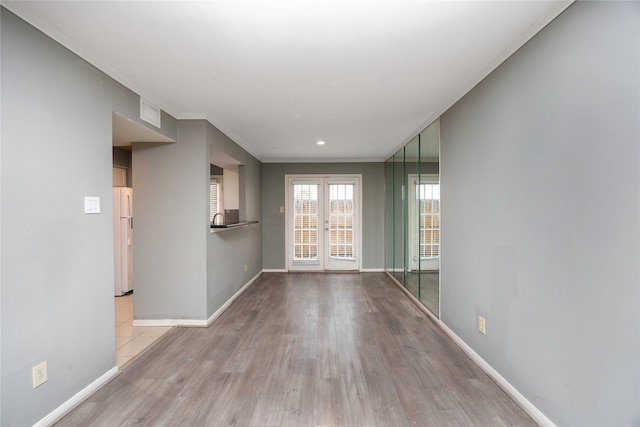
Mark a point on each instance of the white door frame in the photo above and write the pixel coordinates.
(323, 180)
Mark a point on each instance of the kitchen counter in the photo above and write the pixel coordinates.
(224, 227)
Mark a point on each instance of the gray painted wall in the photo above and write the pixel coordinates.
(228, 251)
(273, 196)
(171, 222)
(57, 275)
(57, 263)
(56, 279)
(181, 270)
(540, 184)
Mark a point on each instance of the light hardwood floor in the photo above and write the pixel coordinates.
(305, 350)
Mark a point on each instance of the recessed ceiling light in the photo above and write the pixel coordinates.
(320, 142)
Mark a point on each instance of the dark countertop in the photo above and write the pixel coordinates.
(222, 227)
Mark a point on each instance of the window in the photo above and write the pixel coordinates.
(216, 199)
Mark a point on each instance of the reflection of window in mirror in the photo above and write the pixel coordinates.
(424, 221)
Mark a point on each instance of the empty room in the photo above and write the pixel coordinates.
(372, 213)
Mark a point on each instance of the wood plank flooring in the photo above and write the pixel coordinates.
(305, 350)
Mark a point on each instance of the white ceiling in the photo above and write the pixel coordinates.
(364, 76)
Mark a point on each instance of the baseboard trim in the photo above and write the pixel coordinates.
(196, 323)
(79, 397)
(230, 301)
(62, 410)
(372, 270)
(524, 403)
(170, 322)
(275, 270)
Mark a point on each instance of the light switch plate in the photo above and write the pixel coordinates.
(91, 205)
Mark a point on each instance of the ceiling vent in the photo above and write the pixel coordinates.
(149, 113)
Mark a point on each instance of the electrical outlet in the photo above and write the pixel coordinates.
(481, 325)
(39, 374)
(245, 268)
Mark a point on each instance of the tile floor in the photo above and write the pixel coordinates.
(132, 340)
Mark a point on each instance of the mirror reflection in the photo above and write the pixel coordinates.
(398, 216)
(410, 229)
(412, 251)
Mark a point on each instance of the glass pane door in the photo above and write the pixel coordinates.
(341, 226)
(322, 223)
(305, 223)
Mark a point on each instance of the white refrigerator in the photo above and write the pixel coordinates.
(123, 239)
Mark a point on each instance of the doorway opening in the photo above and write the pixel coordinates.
(130, 340)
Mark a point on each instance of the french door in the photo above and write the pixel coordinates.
(323, 222)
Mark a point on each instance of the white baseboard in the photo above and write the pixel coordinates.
(372, 270)
(197, 323)
(524, 403)
(78, 398)
(230, 301)
(170, 322)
